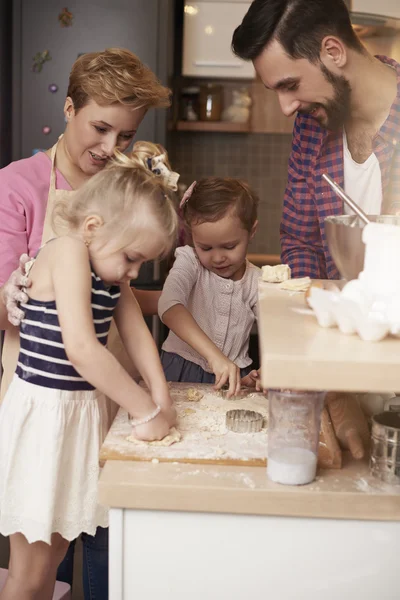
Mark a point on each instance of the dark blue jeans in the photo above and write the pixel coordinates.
(95, 565)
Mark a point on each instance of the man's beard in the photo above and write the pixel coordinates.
(338, 109)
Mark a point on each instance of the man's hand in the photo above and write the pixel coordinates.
(12, 292)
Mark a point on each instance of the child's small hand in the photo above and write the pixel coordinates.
(156, 429)
(252, 380)
(226, 371)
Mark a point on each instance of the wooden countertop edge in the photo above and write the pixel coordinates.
(323, 506)
(154, 488)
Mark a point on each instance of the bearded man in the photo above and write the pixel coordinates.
(348, 118)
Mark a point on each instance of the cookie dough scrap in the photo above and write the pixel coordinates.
(296, 285)
(173, 437)
(193, 395)
(275, 274)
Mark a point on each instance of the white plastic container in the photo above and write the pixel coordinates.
(381, 275)
(293, 434)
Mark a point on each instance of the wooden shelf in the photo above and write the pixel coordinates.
(221, 126)
(297, 353)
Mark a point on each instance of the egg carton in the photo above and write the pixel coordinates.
(355, 310)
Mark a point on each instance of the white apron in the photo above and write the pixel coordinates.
(11, 340)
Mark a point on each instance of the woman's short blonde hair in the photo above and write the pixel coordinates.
(115, 76)
(128, 198)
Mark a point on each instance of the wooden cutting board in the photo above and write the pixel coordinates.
(205, 439)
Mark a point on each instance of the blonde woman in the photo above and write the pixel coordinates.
(108, 95)
(53, 418)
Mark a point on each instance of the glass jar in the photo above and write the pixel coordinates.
(190, 103)
(293, 435)
(211, 102)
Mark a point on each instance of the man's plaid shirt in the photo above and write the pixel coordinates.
(309, 199)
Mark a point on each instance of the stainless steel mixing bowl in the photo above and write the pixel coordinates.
(344, 237)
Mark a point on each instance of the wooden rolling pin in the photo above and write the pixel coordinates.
(329, 452)
(349, 423)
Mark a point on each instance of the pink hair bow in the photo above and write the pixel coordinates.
(187, 194)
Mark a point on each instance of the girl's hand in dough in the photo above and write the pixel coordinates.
(156, 429)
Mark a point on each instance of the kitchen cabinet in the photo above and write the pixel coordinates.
(388, 8)
(207, 36)
(180, 531)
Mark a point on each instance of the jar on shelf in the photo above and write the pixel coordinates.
(190, 103)
(211, 102)
(293, 435)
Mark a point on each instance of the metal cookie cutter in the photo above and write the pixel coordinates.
(244, 421)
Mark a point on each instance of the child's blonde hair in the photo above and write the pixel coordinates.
(155, 157)
(128, 197)
(115, 76)
(213, 197)
(145, 150)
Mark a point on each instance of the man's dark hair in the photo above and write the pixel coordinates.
(298, 25)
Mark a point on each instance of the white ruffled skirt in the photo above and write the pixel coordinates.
(49, 461)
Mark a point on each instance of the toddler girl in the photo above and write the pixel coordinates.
(209, 300)
(53, 418)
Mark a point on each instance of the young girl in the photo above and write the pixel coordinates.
(209, 300)
(53, 417)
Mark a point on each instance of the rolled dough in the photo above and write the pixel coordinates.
(193, 395)
(275, 274)
(296, 285)
(173, 437)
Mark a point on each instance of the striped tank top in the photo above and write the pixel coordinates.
(42, 359)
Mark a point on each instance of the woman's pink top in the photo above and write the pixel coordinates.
(24, 189)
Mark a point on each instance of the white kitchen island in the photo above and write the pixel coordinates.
(217, 532)
(196, 532)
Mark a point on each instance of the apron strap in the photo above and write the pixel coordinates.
(52, 186)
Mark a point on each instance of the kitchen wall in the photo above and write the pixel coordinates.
(261, 159)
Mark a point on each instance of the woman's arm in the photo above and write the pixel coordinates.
(71, 279)
(4, 322)
(13, 239)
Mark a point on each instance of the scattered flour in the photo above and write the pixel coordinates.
(203, 430)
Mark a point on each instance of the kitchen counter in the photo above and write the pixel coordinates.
(192, 531)
(183, 531)
(297, 353)
(348, 493)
